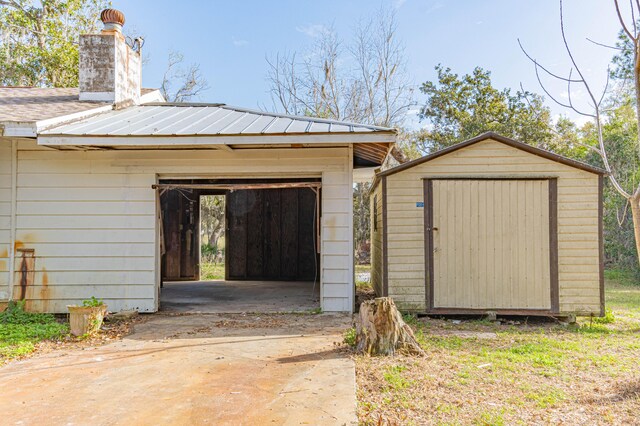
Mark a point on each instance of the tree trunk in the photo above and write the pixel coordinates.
(634, 200)
(381, 330)
(215, 237)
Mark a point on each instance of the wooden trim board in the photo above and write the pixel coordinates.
(385, 243)
(428, 246)
(601, 242)
(553, 245)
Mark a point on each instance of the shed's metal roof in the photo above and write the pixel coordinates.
(184, 119)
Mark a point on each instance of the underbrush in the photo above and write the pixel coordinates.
(20, 331)
(210, 271)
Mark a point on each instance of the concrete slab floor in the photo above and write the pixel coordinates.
(191, 370)
(239, 296)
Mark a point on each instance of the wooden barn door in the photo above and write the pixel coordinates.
(181, 230)
(491, 245)
(270, 234)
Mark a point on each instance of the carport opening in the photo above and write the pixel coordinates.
(240, 245)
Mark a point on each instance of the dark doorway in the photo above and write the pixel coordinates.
(271, 229)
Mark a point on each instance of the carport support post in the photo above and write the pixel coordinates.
(159, 246)
(351, 234)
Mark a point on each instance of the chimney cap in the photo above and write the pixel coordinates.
(112, 19)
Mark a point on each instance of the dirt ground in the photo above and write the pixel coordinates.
(192, 369)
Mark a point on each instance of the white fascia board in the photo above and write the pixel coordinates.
(18, 129)
(173, 141)
(43, 125)
(30, 129)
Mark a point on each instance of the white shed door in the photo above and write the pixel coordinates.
(491, 244)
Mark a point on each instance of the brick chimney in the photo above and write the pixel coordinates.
(110, 70)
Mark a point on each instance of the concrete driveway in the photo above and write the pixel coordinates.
(192, 369)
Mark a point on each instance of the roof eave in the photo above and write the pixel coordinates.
(244, 139)
(18, 129)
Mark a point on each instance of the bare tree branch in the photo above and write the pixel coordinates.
(374, 91)
(633, 20)
(621, 19)
(543, 68)
(190, 80)
(606, 87)
(604, 45)
(603, 151)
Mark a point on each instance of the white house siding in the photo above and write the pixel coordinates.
(578, 241)
(91, 217)
(5, 216)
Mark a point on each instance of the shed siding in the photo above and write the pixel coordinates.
(5, 216)
(578, 241)
(377, 235)
(91, 217)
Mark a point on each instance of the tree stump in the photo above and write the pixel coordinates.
(382, 331)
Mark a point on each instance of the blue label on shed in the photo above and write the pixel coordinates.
(419, 204)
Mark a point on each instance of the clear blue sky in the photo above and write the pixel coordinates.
(230, 39)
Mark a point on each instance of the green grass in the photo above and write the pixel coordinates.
(363, 268)
(211, 271)
(527, 370)
(623, 292)
(361, 283)
(20, 331)
(393, 376)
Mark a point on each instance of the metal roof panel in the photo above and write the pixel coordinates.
(279, 125)
(167, 119)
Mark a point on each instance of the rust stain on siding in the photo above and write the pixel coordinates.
(19, 245)
(26, 271)
(4, 254)
(44, 290)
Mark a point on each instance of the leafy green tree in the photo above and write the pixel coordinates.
(39, 47)
(461, 107)
(39, 40)
(212, 226)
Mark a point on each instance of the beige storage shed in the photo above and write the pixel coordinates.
(489, 224)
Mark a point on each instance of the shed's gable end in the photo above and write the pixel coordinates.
(480, 141)
(493, 157)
